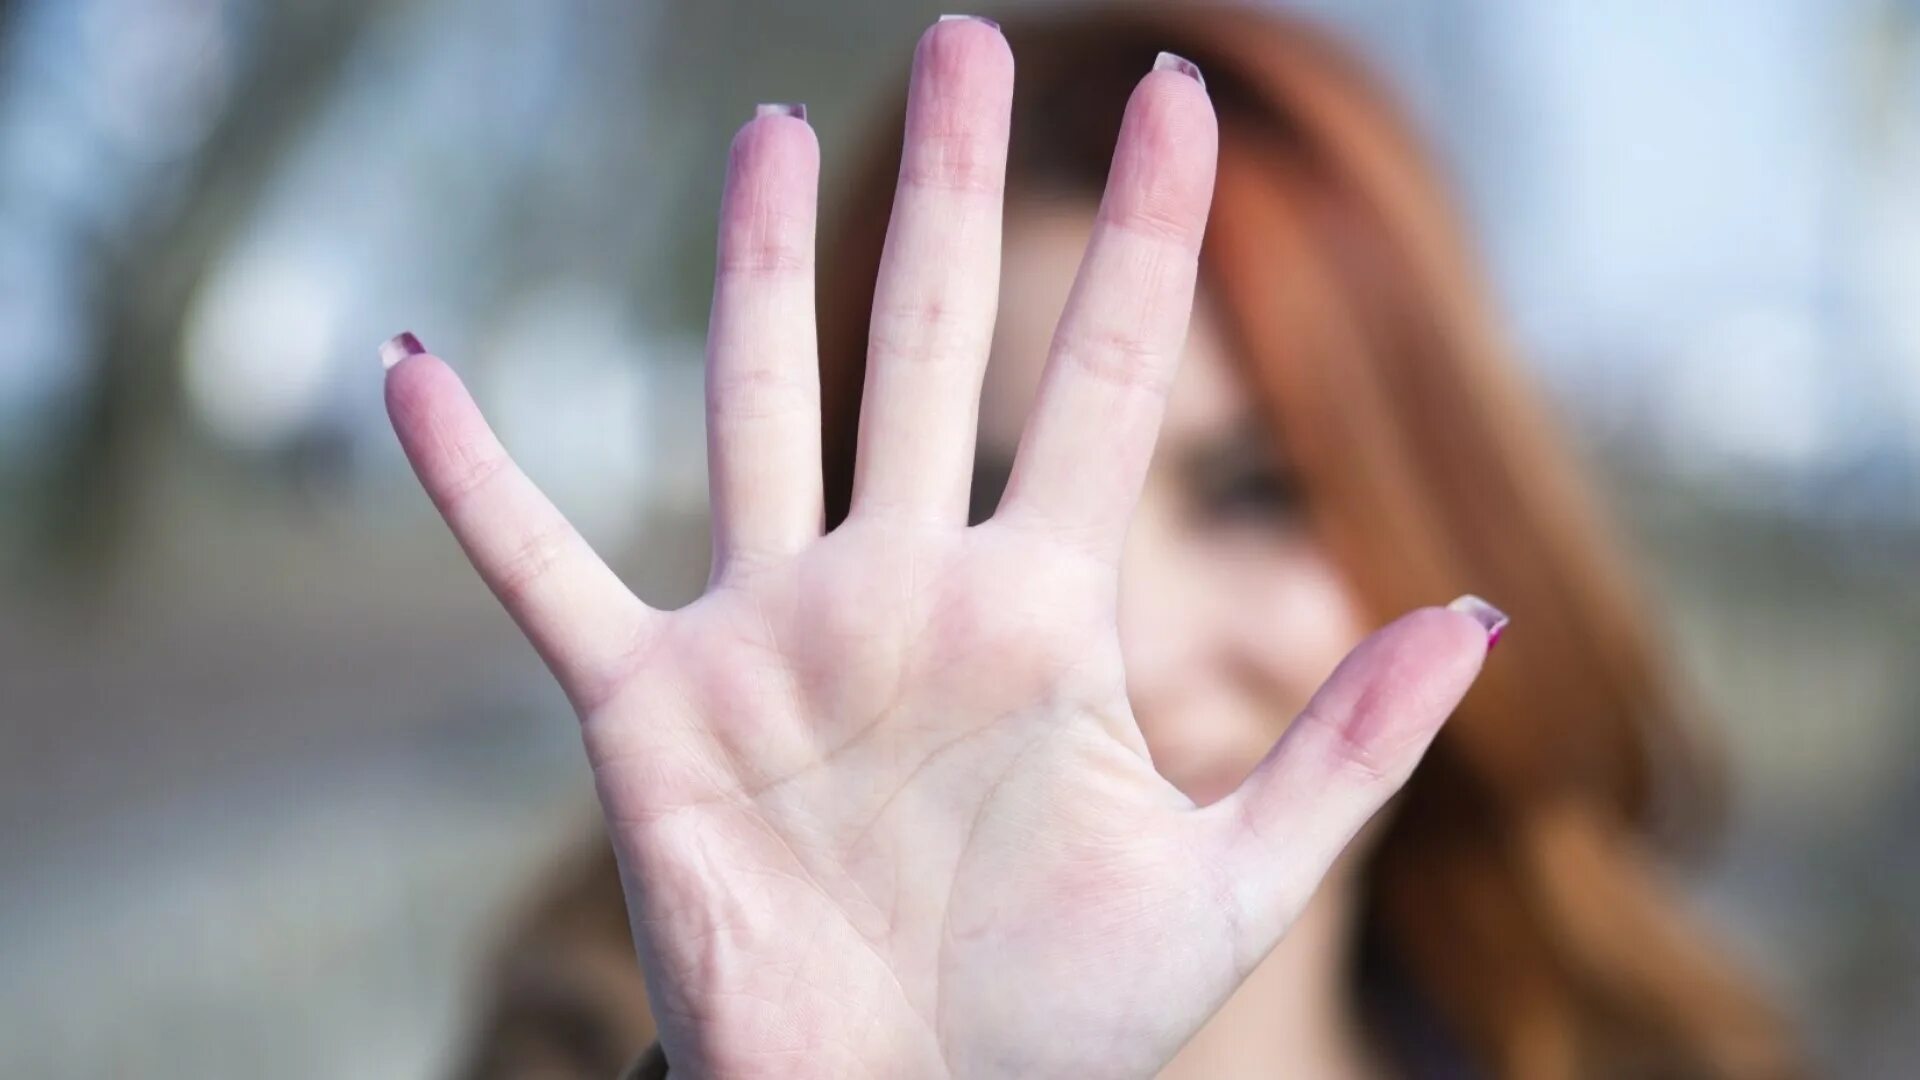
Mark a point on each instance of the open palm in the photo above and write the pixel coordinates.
(878, 797)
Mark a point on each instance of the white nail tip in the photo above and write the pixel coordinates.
(1491, 618)
(398, 348)
(1167, 61)
(781, 108)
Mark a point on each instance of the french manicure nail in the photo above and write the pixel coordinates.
(1491, 618)
(781, 108)
(398, 348)
(1167, 61)
(970, 18)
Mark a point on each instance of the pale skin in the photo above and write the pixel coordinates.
(882, 802)
(1231, 614)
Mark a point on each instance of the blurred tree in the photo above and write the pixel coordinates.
(89, 496)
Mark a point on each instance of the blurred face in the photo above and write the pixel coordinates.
(1230, 612)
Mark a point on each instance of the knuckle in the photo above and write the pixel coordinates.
(1355, 757)
(928, 329)
(758, 391)
(529, 562)
(762, 247)
(1156, 216)
(473, 470)
(951, 162)
(1121, 356)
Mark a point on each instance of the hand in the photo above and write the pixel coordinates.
(878, 798)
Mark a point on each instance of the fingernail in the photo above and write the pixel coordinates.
(1491, 618)
(781, 108)
(970, 18)
(1167, 61)
(398, 348)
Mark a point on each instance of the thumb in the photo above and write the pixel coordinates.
(1341, 760)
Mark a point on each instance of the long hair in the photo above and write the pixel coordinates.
(1516, 886)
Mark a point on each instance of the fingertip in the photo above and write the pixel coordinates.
(1491, 620)
(1176, 106)
(959, 108)
(1436, 651)
(1401, 685)
(1167, 61)
(1163, 169)
(768, 207)
(776, 141)
(957, 47)
(400, 355)
(1405, 679)
(399, 347)
(1436, 639)
(416, 385)
(959, 105)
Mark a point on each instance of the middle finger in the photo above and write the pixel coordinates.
(939, 283)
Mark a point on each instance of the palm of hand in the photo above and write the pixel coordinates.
(916, 773)
(878, 797)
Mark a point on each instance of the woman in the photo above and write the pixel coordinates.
(922, 826)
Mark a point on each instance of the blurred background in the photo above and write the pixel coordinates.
(272, 765)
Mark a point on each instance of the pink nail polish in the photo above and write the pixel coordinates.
(781, 108)
(398, 348)
(970, 18)
(1167, 61)
(1491, 618)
